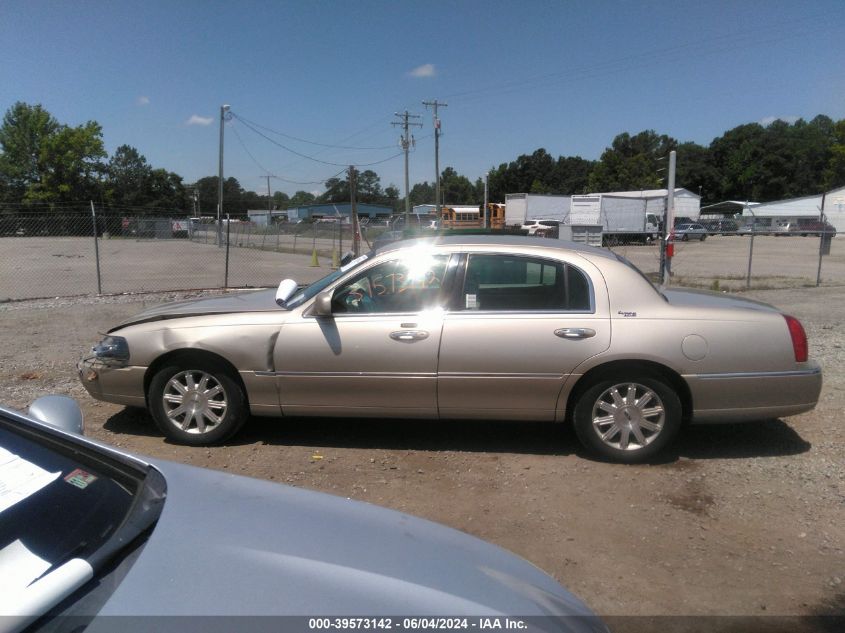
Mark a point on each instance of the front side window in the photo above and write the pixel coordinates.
(508, 282)
(410, 284)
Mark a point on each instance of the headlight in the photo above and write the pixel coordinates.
(112, 348)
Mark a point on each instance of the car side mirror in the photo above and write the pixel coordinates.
(323, 304)
(285, 291)
(61, 412)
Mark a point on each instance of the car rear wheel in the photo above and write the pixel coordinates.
(196, 406)
(703, 237)
(627, 419)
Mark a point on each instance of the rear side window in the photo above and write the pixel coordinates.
(514, 283)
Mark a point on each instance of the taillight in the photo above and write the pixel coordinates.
(799, 338)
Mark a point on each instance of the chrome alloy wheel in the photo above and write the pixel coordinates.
(628, 416)
(194, 401)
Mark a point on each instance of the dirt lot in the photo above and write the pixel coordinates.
(738, 519)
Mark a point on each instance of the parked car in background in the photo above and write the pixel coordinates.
(720, 226)
(686, 232)
(781, 228)
(541, 228)
(473, 327)
(813, 227)
(91, 532)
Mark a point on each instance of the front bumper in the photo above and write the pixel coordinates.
(112, 383)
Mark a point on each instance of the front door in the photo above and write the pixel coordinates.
(377, 354)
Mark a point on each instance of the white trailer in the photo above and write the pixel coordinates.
(522, 207)
(622, 219)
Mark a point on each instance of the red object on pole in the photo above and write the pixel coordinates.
(670, 247)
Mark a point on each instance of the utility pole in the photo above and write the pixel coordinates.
(668, 238)
(224, 109)
(435, 104)
(353, 211)
(406, 142)
(484, 211)
(269, 199)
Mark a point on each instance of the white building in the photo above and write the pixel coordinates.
(792, 210)
(834, 209)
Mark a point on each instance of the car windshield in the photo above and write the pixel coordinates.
(318, 286)
(60, 501)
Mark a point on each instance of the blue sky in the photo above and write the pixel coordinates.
(567, 76)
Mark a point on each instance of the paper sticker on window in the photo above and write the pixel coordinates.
(80, 478)
(472, 302)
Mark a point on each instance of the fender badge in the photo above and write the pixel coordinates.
(626, 314)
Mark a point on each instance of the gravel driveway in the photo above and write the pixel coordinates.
(737, 520)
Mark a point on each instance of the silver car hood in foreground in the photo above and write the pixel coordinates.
(229, 545)
(252, 301)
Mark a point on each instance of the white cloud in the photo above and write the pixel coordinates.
(771, 119)
(142, 100)
(199, 120)
(426, 70)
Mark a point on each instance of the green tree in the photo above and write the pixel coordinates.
(233, 202)
(301, 198)
(70, 162)
(834, 173)
(632, 162)
(697, 172)
(456, 189)
(281, 200)
(128, 178)
(23, 133)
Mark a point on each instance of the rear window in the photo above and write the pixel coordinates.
(514, 283)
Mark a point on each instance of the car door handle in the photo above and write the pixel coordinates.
(409, 335)
(575, 332)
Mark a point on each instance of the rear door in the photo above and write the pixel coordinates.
(518, 327)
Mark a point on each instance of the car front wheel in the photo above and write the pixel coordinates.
(627, 419)
(197, 406)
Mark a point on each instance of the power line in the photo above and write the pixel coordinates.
(301, 155)
(271, 174)
(302, 140)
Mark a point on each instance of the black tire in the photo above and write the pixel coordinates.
(597, 396)
(703, 237)
(227, 399)
(685, 238)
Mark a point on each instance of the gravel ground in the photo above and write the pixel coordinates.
(736, 520)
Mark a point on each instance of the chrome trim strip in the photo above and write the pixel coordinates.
(386, 374)
(348, 374)
(757, 374)
(463, 374)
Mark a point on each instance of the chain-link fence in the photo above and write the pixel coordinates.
(85, 251)
(736, 261)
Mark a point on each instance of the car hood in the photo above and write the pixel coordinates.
(253, 301)
(708, 299)
(229, 545)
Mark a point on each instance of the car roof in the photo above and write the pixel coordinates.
(492, 240)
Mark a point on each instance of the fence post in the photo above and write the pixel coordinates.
(750, 246)
(96, 249)
(226, 275)
(822, 239)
